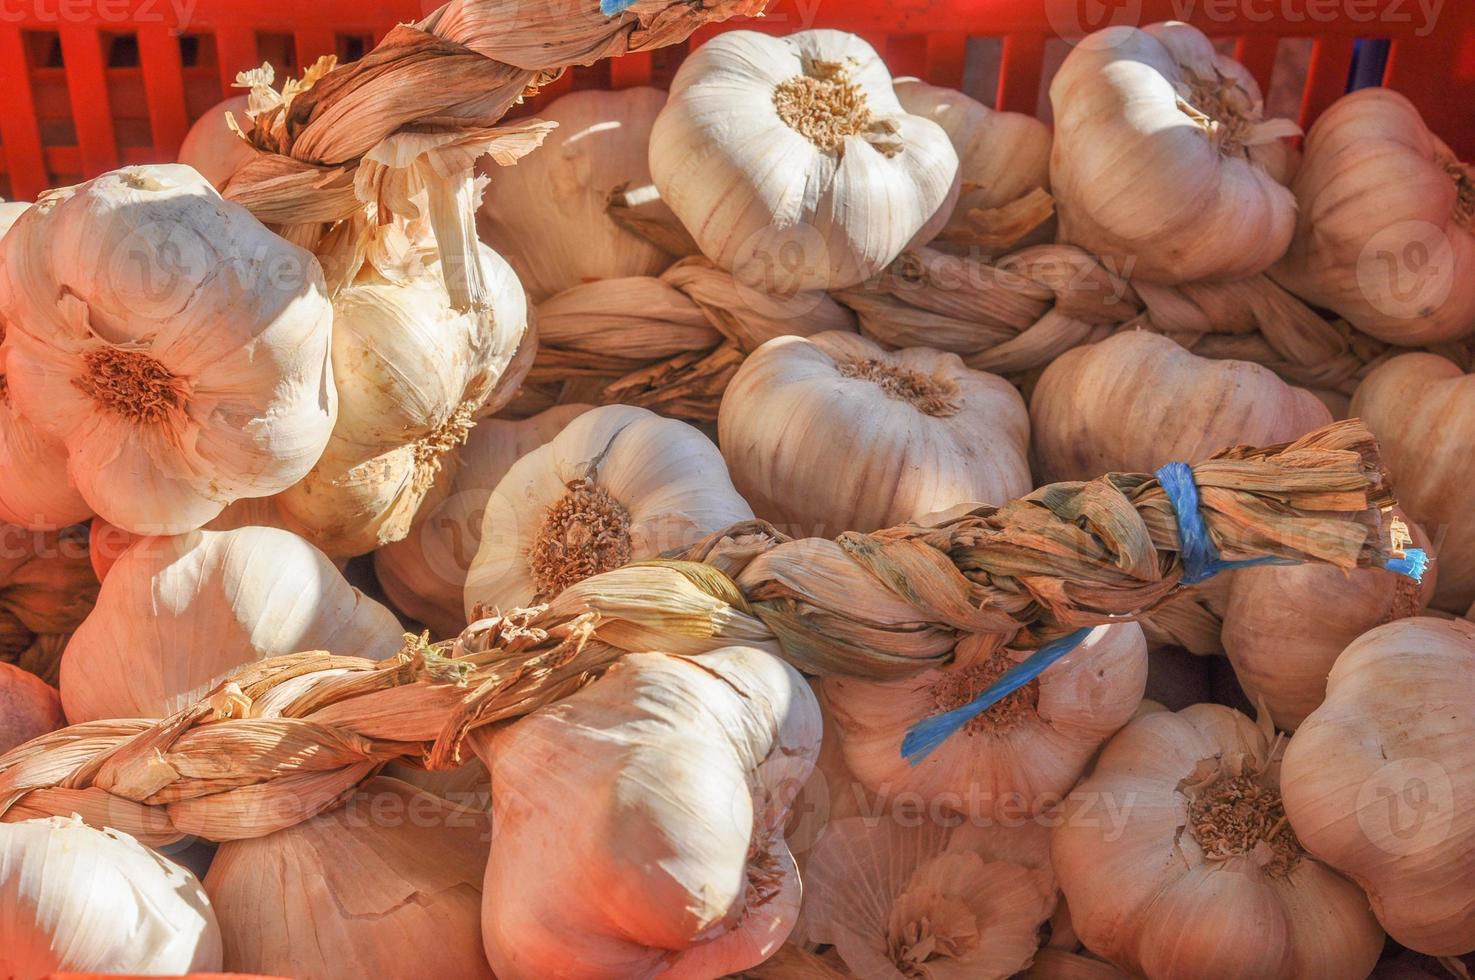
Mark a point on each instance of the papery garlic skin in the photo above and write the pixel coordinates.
(791, 162)
(549, 214)
(77, 899)
(1386, 231)
(1378, 780)
(1024, 753)
(29, 707)
(425, 574)
(1177, 862)
(1162, 161)
(637, 825)
(412, 376)
(618, 484)
(1421, 406)
(833, 433)
(388, 885)
(1286, 625)
(36, 492)
(214, 600)
(1002, 158)
(176, 346)
(47, 589)
(212, 148)
(900, 900)
(1137, 400)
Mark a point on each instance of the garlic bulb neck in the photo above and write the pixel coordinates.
(959, 687)
(824, 106)
(446, 437)
(931, 394)
(1239, 814)
(586, 532)
(1233, 120)
(928, 924)
(1464, 192)
(133, 384)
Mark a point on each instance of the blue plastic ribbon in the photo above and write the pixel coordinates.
(1201, 560)
(611, 7)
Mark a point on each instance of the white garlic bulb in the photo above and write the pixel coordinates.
(212, 147)
(36, 492)
(618, 484)
(549, 214)
(1163, 162)
(425, 574)
(902, 898)
(176, 346)
(638, 825)
(833, 433)
(1025, 752)
(412, 376)
(75, 899)
(389, 886)
(177, 614)
(791, 162)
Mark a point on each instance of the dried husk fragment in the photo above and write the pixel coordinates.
(47, 588)
(883, 605)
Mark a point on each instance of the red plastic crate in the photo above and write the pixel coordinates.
(94, 84)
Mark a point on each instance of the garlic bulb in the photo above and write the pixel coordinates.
(174, 345)
(36, 492)
(792, 163)
(1419, 405)
(1137, 400)
(1386, 231)
(902, 900)
(637, 825)
(1003, 167)
(212, 147)
(412, 375)
(1286, 625)
(29, 707)
(77, 899)
(1163, 163)
(548, 215)
(46, 590)
(387, 886)
(425, 574)
(1024, 753)
(618, 484)
(177, 614)
(833, 433)
(1378, 779)
(106, 543)
(1057, 964)
(1177, 860)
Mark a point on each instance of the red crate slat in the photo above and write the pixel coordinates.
(946, 56)
(236, 48)
(312, 44)
(1326, 78)
(163, 81)
(630, 70)
(1019, 72)
(91, 102)
(20, 130)
(1257, 53)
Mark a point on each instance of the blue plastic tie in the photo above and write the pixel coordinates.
(1200, 556)
(1413, 564)
(611, 7)
(929, 733)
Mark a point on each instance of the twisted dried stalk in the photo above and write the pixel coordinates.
(288, 738)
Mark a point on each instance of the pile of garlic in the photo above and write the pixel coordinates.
(795, 316)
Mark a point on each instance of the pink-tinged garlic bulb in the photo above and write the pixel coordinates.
(388, 886)
(29, 707)
(425, 574)
(1385, 234)
(1421, 407)
(47, 589)
(901, 900)
(1003, 167)
(1286, 625)
(214, 600)
(174, 345)
(212, 147)
(1163, 161)
(1178, 861)
(1138, 400)
(1024, 753)
(618, 484)
(637, 825)
(791, 162)
(834, 433)
(549, 215)
(1379, 781)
